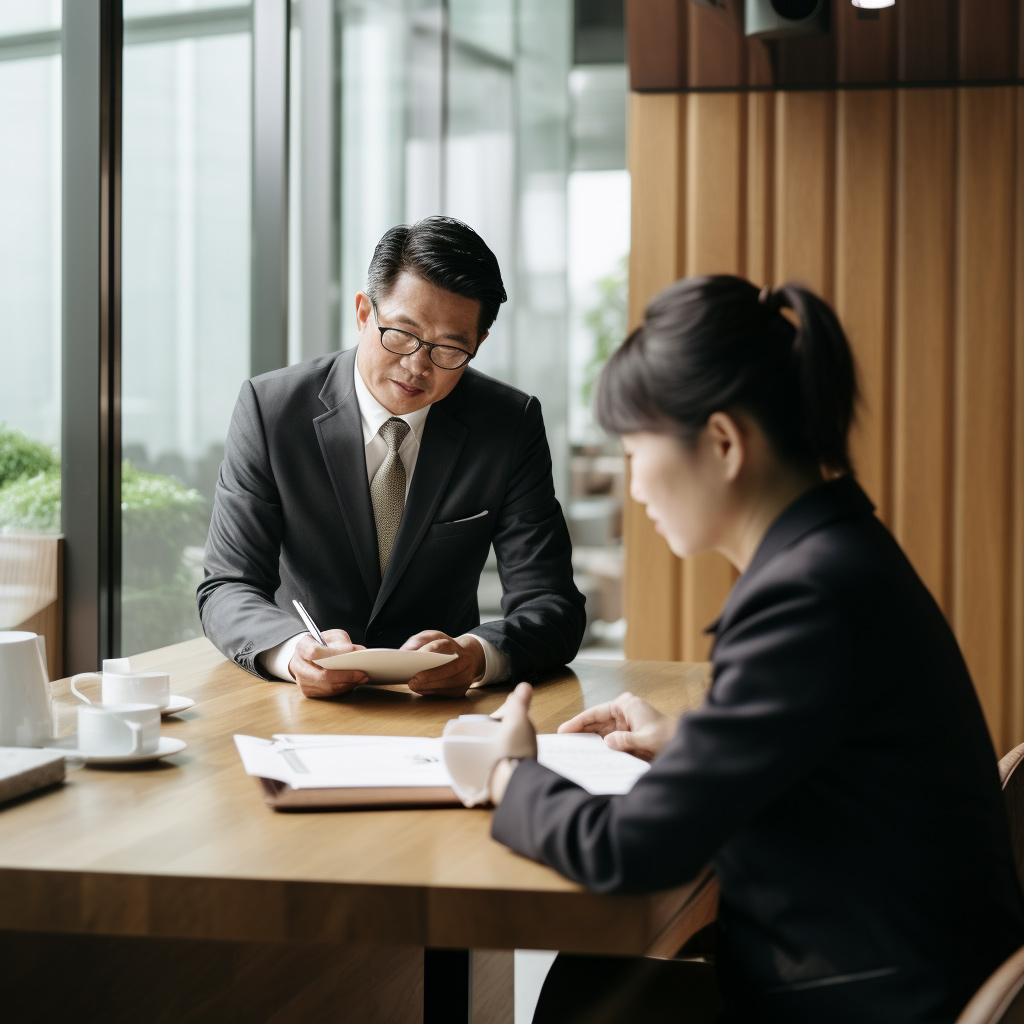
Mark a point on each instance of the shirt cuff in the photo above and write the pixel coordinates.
(496, 665)
(275, 662)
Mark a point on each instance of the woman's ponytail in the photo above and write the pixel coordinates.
(828, 380)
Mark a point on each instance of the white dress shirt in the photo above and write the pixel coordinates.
(373, 416)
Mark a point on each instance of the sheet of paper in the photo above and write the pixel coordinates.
(584, 759)
(338, 762)
(332, 761)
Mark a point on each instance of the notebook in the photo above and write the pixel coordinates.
(296, 772)
(24, 769)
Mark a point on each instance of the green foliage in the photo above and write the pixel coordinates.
(20, 456)
(160, 517)
(606, 321)
(32, 503)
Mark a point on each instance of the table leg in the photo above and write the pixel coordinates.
(471, 986)
(447, 986)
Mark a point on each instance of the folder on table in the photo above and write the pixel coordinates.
(298, 772)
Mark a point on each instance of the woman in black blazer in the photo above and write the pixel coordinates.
(840, 774)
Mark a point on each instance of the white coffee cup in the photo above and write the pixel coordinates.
(112, 730)
(127, 687)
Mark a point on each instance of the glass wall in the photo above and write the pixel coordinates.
(30, 267)
(186, 197)
(398, 109)
(459, 107)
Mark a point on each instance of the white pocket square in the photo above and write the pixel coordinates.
(467, 519)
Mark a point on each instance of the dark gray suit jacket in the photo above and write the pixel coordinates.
(839, 774)
(292, 518)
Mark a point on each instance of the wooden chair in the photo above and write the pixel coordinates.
(1011, 775)
(32, 590)
(1001, 999)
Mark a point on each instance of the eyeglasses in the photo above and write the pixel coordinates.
(402, 343)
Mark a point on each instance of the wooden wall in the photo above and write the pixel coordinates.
(677, 45)
(905, 209)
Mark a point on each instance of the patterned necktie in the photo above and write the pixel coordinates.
(387, 491)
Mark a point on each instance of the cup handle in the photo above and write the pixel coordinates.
(84, 675)
(41, 646)
(136, 736)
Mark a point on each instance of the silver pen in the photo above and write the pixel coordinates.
(310, 624)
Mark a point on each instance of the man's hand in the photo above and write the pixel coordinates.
(315, 681)
(453, 678)
(627, 723)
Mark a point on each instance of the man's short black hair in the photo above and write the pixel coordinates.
(445, 252)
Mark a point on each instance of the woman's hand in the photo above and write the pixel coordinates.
(517, 739)
(627, 723)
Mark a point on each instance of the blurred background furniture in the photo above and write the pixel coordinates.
(32, 591)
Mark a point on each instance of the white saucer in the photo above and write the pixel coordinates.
(176, 704)
(165, 747)
(385, 665)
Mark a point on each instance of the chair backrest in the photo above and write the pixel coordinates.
(1011, 775)
(1001, 999)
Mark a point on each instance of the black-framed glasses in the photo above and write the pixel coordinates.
(402, 343)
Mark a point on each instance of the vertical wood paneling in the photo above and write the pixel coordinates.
(717, 47)
(656, 40)
(926, 48)
(983, 418)
(864, 171)
(988, 39)
(804, 185)
(760, 232)
(906, 210)
(715, 244)
(676, 45)
(715, 187)
(865, 49)
(922, 454)
(1016, 696)
(657, 168)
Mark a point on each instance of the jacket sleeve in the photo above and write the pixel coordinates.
(544, 616)
(241, 562)
(781, 697)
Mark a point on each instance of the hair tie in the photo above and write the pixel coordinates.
(770, 299)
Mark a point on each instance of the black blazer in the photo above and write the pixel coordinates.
(292, 518)
(839, 774)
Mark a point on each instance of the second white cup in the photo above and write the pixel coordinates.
(127, 687)
(118, 729)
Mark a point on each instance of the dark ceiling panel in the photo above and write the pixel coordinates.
(678, 45)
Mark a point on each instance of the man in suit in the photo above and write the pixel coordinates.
(369, 484)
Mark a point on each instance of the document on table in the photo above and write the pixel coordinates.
(340, 771)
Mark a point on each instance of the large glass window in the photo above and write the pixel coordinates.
(30, 268)
(186, 191)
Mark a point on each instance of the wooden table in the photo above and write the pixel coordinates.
(253, 914)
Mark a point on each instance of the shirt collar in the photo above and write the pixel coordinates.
(374, 415)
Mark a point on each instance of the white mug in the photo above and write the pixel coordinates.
(118, 729)
(26, 717)
(127, 687)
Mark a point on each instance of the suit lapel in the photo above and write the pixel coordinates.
(443, 438)
(340, 432)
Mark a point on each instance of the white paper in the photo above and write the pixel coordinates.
(583, 758)
(336, 762)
